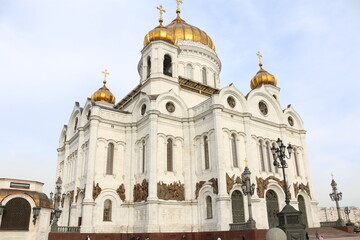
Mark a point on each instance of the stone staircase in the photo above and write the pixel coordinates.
(331, 233)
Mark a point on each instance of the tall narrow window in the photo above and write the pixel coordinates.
(214, 80)
(76, 124)
(167, 68)
(110, 159)
(209, 213)
(148, 68)
(143, 156)
(204, 75)
(107, 210)
(296, 162)
(169, 153)
(206, 152)
(268, 156)
(234, 150)
(261, 156)
(189, 71)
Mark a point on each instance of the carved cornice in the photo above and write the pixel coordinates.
(197, 87)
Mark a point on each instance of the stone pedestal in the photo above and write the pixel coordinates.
(289, 222)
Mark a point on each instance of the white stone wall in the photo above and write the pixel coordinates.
(82, 154)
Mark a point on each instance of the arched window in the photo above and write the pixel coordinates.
(167, 66)
(209, 213)
(237, 205)
(272, 207)
(268, 156)
(148, 68)
(189, 71)
(206, 152)
(110, 159)
(16, 215)
(143, 156)
(296, 162)
(204, 79)
(76, 124)
(214, 80)
(107, 210)
(234, 150)
(261, 156)
(169, 155)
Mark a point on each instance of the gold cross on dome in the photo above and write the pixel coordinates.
(178, 2)
(161, 10)
(259, 56)
(105, 72)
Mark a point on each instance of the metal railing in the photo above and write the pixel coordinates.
(67, 229)
(328, 224)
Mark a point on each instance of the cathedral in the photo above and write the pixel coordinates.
(169, 156)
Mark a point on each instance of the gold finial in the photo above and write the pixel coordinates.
(332, 176)
(246, 162)
(259, 56)
(178, 2)
(161, 10)
(105, 72)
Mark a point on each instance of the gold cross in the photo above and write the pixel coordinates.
(178, 2)
(246, 162)
(259, 56)
(105, 72)
(161, 10)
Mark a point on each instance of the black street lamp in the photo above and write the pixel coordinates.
(335, 196)
(248, 190)
(289, 217)
(347, 212)
(36, 213)
(57, 212)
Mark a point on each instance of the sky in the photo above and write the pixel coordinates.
(52, 54)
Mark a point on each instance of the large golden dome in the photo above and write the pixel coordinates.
(262, 77)
(185, 31)
(160, 33)
(103, 94)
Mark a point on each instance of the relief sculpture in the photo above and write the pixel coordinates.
(172, 191)
(96, 190)
(301, 186)
(214, 184)
(121, 192)
(230, 182)
(198, 187)
(141, 191)
(262, 185)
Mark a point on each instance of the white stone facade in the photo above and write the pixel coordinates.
(203, 131)
(330, 214)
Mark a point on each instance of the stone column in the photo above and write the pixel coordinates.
(223, 200)
(88, 203)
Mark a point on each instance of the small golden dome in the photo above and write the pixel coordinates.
(160, 33)
(103, 94)
(262, 77)
(185, 31)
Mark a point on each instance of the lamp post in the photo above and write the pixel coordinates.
(57, 211)
(36, 213)
(248, 190)
(2, 208)
(336, 196)
(289, 217)
(347, 212)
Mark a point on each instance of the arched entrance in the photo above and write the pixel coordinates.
(302, 208)
(272, 206)
(16, 215)
(237, 204)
